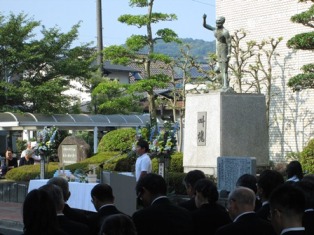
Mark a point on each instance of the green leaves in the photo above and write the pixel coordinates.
(36, 72)
(303, 41)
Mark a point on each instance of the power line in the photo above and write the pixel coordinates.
(209, 4)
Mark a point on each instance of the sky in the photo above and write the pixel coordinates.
(63, 14)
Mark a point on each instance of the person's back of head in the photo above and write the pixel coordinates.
(39, 213)
(207, 189)
(118, 224)
(152, 186)
(247, 180)
(63, 184)
(287, 204)
(56, 194)
(308, 178)
(241, 200)
(267, 182)
(190, 179)
(101, 195)
(294, 168)
(154, 183)
(308, 190)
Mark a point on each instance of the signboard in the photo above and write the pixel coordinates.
(69, 154)
(201, 128)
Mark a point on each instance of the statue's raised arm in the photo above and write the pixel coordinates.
(206, 25)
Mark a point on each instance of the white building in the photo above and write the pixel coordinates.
(291, 113)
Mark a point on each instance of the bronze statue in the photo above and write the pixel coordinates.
(223, 47)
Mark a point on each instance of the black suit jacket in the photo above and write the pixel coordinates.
(247, 224)
(163, 218)
(95, 220)
(77, 215)
(308, 222)
(264, 212)
(209, 217)
(295, 233)
(71, 227)
(189, 204)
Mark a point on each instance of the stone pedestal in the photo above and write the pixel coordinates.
(224, 124)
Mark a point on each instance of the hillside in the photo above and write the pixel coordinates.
(199, 48)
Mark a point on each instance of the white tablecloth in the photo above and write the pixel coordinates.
(80, 193)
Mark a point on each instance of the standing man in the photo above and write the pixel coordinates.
(143, 163)
(223, 47)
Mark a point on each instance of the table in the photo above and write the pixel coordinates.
(80, 193)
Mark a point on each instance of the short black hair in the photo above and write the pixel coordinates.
(103, 192)
(193, 176)
(208, 189)
(247, 180)
(269, 180)
(289, 199)
(143, 144)
(294, 168)
(152, 182)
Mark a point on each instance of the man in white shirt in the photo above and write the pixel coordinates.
(143, 163)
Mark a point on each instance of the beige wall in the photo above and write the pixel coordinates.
(291, 117)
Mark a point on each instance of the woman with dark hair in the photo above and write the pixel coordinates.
(39, 214)
(209, 215)
(294, 171)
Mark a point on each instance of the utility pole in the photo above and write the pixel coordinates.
(99, 37)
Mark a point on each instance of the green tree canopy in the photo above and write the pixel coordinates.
(35, 72)
(135, 43)
(303, 41)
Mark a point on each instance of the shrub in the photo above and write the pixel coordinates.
(112, 161)
(117, 140)
(307, 157)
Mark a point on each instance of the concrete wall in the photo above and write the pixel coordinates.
(235, 126)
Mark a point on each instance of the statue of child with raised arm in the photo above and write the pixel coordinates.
(223, 47)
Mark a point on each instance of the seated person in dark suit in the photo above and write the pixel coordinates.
(307, 188)
(103, 200)
(287, 204)
(27, 160)
(159, 215)
(209, 215)
(266, 183)
(189, 183)
(75, 214)
(245, 221)
(69, 226)
(250, 181)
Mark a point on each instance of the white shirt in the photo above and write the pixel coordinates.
(34, 156)
(143, 163)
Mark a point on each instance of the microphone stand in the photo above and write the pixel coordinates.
(101, 166)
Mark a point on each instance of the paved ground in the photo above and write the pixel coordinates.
(11, 218)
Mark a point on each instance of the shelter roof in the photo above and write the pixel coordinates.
(30, 121)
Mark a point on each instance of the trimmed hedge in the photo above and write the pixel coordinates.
(117, 140)
(113, 161)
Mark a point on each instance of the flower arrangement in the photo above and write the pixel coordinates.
(45, 140)
(162, 141)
